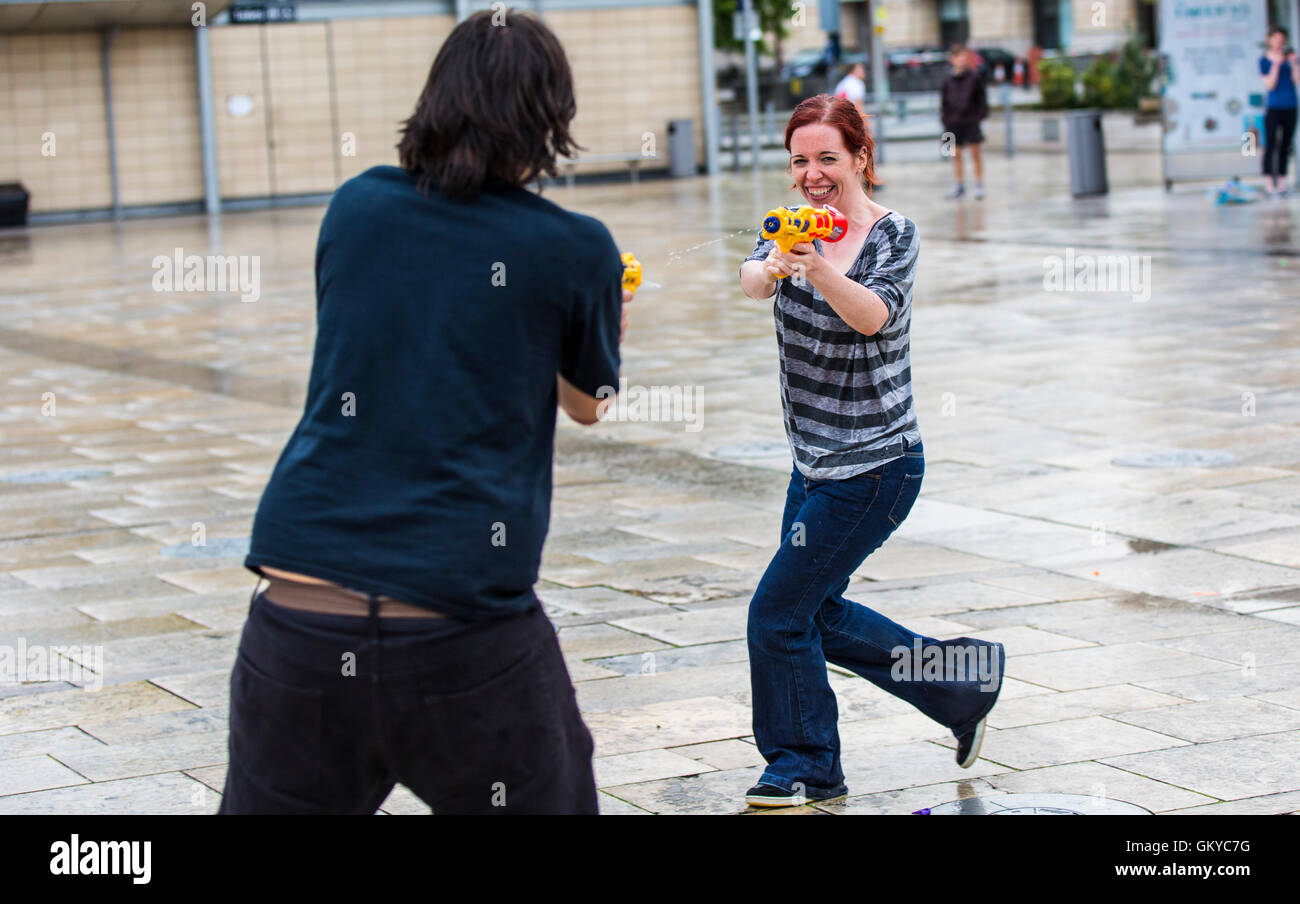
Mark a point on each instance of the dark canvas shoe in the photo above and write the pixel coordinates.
(765, 795)
(968, 745)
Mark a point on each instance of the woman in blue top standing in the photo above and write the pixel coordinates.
(1281, 75)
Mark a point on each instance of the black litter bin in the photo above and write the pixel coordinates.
(13, 204)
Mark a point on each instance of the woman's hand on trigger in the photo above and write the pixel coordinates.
(775, 266)
(803, 258)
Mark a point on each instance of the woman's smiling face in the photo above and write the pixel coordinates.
(821, 166)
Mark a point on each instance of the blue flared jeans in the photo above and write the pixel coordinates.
(799, 620)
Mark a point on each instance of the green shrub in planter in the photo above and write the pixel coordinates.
(1135, 69)
(1118, 80)
(1100, 85)
(1056, 84)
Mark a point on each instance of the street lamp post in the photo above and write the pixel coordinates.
(749, 24)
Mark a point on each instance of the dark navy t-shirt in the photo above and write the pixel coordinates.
(421, 468)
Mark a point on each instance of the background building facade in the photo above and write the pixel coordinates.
(298, 106)
(1075, 26)
(101, 107)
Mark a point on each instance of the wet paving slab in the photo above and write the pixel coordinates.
(1112, 491)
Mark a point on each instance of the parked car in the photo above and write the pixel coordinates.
(805, 63)
(804, 77)
(812, 62)
(915, 57)
(917, 68)
(993, 57)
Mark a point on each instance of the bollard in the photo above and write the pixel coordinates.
(878, 135)
(735, 142)
(1006, 105)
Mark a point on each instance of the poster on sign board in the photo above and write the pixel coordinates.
(1213, 98)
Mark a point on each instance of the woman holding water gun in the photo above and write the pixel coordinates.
(842, 306)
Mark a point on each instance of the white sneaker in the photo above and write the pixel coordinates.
(957, 191)
(979, 191)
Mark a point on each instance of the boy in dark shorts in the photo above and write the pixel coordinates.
(963, 105)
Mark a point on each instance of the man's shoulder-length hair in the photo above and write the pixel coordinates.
(497, 104)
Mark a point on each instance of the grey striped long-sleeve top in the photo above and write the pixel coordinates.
(847, 397)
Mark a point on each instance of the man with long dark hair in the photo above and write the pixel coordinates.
(399, 638)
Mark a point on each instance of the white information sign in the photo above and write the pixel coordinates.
(1213, 96)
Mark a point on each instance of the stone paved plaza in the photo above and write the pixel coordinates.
(1112, 491)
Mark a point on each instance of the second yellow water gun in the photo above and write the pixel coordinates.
(790, 227)
(631, 272)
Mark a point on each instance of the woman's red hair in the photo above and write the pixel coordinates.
(843, 116)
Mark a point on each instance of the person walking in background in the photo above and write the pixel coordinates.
(1281, 75)
(963, 104)
(853, 87)
(399, 638)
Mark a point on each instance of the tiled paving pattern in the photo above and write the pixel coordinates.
(1150, 614)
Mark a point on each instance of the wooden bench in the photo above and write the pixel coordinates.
(570, 164)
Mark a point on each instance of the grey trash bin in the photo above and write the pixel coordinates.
(1087, 147)
(681, 148)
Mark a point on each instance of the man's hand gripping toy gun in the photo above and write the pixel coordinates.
(790, 227)
(631, 272)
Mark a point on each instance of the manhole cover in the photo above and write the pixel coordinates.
(1036, 805)
(1176, 458)
(56, 476)
(216, 548)
(752, 450)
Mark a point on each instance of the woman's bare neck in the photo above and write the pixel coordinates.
(863, 212)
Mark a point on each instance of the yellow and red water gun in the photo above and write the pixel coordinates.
(790, 227)
(631, 272)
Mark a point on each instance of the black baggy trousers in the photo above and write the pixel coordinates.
(328, 712)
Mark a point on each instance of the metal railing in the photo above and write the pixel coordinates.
(891, 115)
